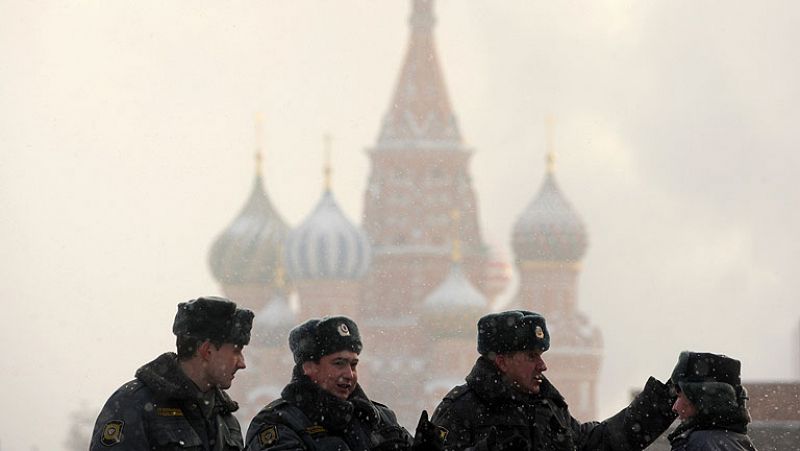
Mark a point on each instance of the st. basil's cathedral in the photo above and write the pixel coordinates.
(416, 275)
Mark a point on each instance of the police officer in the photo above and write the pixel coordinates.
(177, 400)
(507, 403)
(710, 404)
(324, 407)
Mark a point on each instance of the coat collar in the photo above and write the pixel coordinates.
(166, 379)
(489, 384)
(326, 409)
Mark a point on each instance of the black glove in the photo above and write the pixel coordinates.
(428, 436)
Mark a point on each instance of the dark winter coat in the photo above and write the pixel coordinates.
(162, 409)
(720, 423)
(488, 414)
(309, 418)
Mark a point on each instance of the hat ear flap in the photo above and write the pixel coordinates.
(717, 397)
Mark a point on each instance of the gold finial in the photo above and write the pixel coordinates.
(259, 141)
(327, 169)
(551, 154)
(455, 255)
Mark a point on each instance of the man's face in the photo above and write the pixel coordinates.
(335, 373)
(683, 407)
(523, 370)
(223, 363)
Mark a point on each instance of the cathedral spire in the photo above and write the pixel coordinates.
(326, 171)
(259, 132)
(422, 18)
(420, 115)
(550, 146)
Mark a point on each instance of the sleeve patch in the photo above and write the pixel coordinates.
(442, 433)
(112, 433)
(268, 436)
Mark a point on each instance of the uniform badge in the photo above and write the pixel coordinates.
(112, 433)
(343, 330)
(442, 433)
(268, 436)
(539, 332)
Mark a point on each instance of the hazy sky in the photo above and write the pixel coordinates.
(126, 146)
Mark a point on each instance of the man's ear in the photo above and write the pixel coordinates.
(204, 350)
(310, 368)
(501, 362)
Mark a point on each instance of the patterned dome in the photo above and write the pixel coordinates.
(248, 251)
(273, 322)
(549, 229)
(327, 245)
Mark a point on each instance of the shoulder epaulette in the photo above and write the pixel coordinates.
(275, 404)
(457, 392)
(132, 386)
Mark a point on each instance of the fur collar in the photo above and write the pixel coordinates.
(166, 379)
(325, 409)
(488, 383)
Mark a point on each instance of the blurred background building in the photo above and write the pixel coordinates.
(416, 274)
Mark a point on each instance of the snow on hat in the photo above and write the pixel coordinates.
(316, 338)
(213, 318)
(511, 331)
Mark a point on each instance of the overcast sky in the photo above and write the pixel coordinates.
(126, 146)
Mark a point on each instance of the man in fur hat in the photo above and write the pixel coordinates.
(178, 401)
(508, 404)
(324, 407)
(710, 404)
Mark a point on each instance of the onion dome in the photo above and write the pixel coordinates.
(326, 245)
(549, 229)
(248, 251)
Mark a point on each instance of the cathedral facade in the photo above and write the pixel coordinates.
(416, 274)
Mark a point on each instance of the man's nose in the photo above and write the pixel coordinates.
(348, 373)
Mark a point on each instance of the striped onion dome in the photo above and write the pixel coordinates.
(549, 229)
(327, 245)
(273, 322)
(248, 250)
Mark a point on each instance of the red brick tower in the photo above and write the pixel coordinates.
(419, 173)
(549, 240)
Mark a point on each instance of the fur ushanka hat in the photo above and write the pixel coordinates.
(512, 331)
(317, 338)
(711, 382)
(213, 318)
